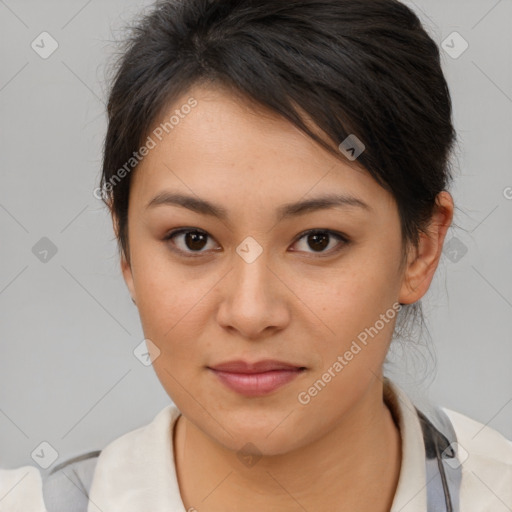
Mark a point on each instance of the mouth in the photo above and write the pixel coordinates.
(256, 379)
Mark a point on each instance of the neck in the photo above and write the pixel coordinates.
(332, 473)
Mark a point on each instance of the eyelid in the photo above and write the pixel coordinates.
(344, 239)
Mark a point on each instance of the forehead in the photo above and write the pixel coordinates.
(228, 148)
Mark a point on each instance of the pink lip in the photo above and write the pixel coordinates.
(258, 378)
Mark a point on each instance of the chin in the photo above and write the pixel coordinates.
(262, 441)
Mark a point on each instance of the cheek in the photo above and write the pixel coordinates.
(173, 317)
(170, 301)
(357, 306)
(357, 293)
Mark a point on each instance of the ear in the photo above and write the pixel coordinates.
(126, 268)
(423, 260)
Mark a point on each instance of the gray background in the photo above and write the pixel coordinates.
(68, 328)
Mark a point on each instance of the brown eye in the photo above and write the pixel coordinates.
(318, 240)
(189, 240)
(195, 240)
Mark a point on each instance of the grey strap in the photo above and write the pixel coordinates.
(66, 487)
(443, 468)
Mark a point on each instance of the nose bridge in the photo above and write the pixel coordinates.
(251, 272)
(251, 297)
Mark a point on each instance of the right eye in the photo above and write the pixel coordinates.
(188, 241)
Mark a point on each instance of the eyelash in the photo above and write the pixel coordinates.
(194, 254)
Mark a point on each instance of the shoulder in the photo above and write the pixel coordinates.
(486, 458)
(20, 490)
(134, 444)
(480, 439)
(68, 484)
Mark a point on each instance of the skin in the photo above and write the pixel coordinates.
(294, 303)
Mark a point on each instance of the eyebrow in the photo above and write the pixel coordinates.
(287, 210)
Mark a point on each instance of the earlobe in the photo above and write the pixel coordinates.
(126, 269)
(128, 276)
(424, 259)
(417, 279)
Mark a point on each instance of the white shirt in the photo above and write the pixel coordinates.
(136, 472)
(21, 490)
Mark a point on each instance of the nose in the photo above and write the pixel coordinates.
(254, 299)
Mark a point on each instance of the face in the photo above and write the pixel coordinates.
(251, 281)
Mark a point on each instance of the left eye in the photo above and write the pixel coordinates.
(318, 240)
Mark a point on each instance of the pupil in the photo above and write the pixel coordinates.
(192, 239)
(315, 238)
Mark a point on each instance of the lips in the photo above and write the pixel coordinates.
(266, 365)
(256, 379)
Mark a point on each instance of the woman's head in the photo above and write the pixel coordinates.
(245, 107)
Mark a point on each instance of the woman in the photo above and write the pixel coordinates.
(277, 176)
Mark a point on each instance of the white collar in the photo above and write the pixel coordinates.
(411, 491)
(136, 471)
(21, 490)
